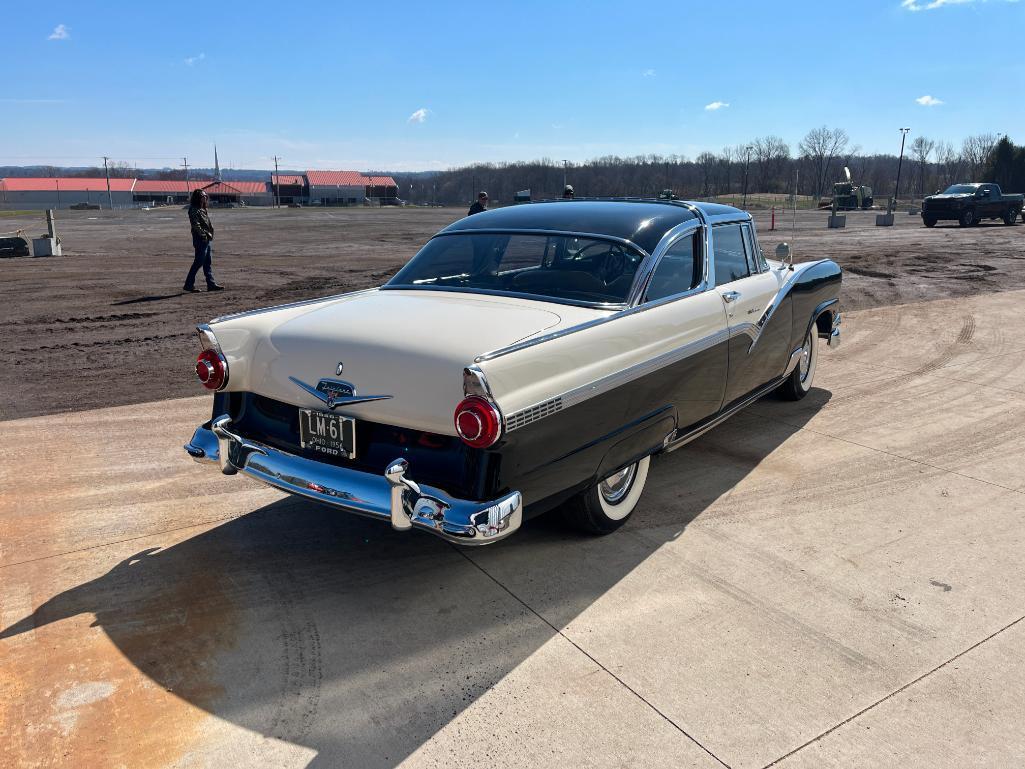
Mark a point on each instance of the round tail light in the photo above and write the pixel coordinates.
(478, 422)
(212, 370)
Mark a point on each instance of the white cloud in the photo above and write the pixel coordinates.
(917, 5)
(648, 73)
(929, 101)
(716, 105)
(60, 32)
(190, 60)
(419, 116)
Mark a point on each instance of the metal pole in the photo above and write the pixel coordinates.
(565, 163)
(747, 163)
(110, 198)
(277, 184)
(185, 162)
(58, 183)
(900, 161)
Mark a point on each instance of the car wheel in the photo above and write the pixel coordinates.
(967, 218)
(608, 504)
(929, 221)
(1011, 217)
(798, 384)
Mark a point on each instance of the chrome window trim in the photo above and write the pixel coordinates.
(638, 294)
(531, 231)
(521, 295)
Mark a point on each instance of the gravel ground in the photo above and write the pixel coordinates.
(107, 324)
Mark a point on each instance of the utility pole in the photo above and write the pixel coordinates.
(57, 182)
(110, 198)
(896, 188)
(185, 162)
(747, 163)
(277, 184)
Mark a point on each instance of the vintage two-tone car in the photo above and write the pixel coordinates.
(526, 358)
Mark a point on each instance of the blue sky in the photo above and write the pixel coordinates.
(415, 86)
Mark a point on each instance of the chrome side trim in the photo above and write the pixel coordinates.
(391, 497)
(672, 444)
(612, 381)
(754, 330)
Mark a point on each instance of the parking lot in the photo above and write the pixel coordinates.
(836, 582)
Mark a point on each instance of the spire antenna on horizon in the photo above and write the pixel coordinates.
(217, 166)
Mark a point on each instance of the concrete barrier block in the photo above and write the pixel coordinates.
(46, 247)
(837, 221)
(884, 220)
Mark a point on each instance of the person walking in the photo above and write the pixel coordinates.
(202, 237)
(479, 205)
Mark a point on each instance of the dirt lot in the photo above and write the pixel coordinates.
(107, 324)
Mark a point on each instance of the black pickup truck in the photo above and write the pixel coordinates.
(971, 203)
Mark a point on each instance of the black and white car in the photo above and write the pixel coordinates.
(526, 358)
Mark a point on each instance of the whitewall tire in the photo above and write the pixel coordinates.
(607, 505)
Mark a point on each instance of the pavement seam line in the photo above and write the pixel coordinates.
(889, 453)
(587, 654)
(119, 541)
(867, 708)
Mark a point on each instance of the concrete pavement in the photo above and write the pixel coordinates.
(836, 582)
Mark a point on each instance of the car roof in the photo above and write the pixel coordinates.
(642, 222)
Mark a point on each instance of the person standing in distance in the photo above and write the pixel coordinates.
(480, 204)
(202, 237)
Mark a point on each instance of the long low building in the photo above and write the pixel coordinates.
(316, 188)
(39, 193)
(156, 191)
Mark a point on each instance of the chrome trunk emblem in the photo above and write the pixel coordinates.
(334, 392)
(339, 368)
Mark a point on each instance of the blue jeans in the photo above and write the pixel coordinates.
(204, 259)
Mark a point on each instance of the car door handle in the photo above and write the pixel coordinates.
(730, 296)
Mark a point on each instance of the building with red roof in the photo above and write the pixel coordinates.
(347, 188)
(37, 193)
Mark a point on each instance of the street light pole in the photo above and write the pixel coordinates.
(565, 163)
(747, 163)
(896, 188)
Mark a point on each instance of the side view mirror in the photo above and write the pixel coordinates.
(785, 254)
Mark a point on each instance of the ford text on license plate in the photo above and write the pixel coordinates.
(327, 433)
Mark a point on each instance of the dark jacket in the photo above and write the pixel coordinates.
(202, 228)
(476, 208)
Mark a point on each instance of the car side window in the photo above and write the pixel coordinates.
(730, 256)
(755, 259)
(680, 269)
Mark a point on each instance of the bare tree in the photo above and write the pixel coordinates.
(921, 149)
(821, 146)
(707, 163)
(772, 158)
(975, 150)
(948, 162)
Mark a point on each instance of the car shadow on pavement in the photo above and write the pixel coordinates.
(333, 632)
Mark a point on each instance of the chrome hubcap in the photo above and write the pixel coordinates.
(805, 363)
(617, 485)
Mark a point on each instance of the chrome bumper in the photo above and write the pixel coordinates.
(391, 497)
(833, 337)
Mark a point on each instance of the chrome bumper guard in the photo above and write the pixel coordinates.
(833, 337)
(392, 497)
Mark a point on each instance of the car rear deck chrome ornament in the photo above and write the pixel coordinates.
(334, 392)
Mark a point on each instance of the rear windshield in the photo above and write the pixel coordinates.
(565, 267)
(960, 189)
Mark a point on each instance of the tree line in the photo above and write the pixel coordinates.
(766, 164)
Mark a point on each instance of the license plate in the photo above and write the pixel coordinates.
(327, 433)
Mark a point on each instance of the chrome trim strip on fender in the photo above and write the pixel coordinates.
(391, 497)
(603, 385)
(671, 443)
